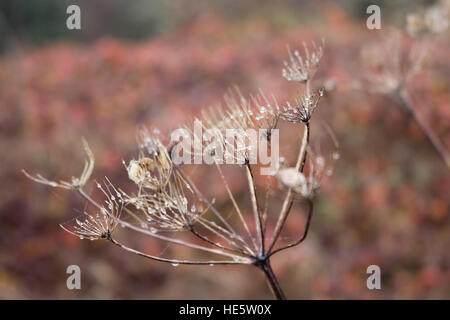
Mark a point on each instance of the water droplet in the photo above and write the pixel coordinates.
(320, 161)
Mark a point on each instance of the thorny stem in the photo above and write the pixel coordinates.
(404, 98)
(256, 211)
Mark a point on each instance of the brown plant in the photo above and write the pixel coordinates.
(167, 201)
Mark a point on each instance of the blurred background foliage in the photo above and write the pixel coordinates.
(39, 21)
(159, 63)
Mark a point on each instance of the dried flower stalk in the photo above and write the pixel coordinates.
(168, 202)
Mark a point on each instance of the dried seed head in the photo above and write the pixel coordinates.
(154, 170)
(303, 109)
(304, 185)
(266, 113)
(302, 68)
(433, 20)
(414, 24)
(388, 68)
(139, 170)
(76, 182)
(291, 177)
(223, 126)
(101, 225)
(165, 209)
(383, 62)
(437, 19)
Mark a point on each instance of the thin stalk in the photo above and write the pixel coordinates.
(256, 211)
(173, 261)
(266, 204)
(404, 98)
(288, 200)
(205, 200)
(224, 234)
(305, 231)
(218, 245)
(161, 237)
(236, 207)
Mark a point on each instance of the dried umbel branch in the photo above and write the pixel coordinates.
(303, 109)
(390, 70)
(98, 226)
(76, 182)
(245, 117)
(435, 19)
(167, 201)
(303, 68)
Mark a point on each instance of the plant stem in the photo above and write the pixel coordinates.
(288, 201)
(305, 232)
(272, 280)
(162, 237)
(236, 207)
(173, 261)
(256, 211)
(404, 98)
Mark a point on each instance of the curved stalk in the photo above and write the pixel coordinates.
(405, 100)
(173, 261)
(218, 245)
(161, 237)
(288, 200)
(305, 231)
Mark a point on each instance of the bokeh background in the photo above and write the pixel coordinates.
(159, 63)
